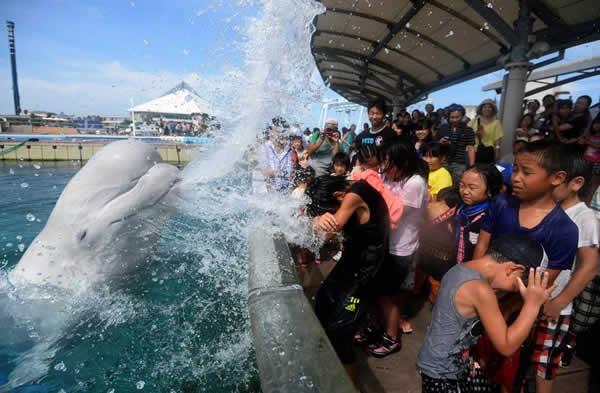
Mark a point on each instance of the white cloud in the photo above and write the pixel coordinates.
(93, 88)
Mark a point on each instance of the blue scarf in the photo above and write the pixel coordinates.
(466, 211)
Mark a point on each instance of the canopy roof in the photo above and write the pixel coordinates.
(368, 49)
(181, 100)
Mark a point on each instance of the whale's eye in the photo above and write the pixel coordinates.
(82, 236)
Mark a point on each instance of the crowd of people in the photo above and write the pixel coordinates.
(507, 244)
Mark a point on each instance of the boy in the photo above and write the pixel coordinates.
(439, 177)
(379, 135)
(537, 172)
(343, 298)
(340, 164)
(461, 140)
(466, 300)
(570, 196)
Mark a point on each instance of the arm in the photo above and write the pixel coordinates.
(482, 244)
(335, 222)
(471, 153)
(508, 339)
(497, 144)
(586, 271)
(312, 147)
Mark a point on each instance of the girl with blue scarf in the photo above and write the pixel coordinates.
(478, 185)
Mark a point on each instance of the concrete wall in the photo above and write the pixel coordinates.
(20, 129)
(58, 151)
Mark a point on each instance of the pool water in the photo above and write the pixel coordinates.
(178, 324)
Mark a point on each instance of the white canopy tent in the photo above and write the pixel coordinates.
(181, 101)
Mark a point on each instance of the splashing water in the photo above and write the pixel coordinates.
(179, 323)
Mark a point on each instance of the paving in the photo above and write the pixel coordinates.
(397, 372)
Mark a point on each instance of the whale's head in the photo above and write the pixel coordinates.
(106, 220)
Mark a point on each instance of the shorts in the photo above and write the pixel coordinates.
(478, 382)
(586, 307)
(339, 310)
(396, 274)
(548, 346)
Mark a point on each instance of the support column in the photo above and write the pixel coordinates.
(517, 67)
(512, 102)
(399, 103)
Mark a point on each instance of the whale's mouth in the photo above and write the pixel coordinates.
(145, 206)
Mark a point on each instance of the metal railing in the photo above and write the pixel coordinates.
(292, 349)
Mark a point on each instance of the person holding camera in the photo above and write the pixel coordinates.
(322, 146)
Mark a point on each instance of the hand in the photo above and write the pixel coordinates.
(444, 141)
(537, 291)
(552, 309)
(327, 222)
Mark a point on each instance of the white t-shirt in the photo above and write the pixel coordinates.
(587, 225)
(404, 240)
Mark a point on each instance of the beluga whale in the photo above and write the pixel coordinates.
(106, 221)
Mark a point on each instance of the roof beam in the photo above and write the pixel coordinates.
(494, 20)
(374, 43)
(353, 55)
(361, 75)
(546, 15)
(469, 22)
(341, 78)
(365, 91)
(395, 28)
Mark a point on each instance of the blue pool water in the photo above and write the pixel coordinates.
(178, 324)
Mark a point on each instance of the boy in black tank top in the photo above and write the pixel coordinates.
(344, 297)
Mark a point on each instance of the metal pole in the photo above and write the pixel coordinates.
(518, 66)
(13, 63)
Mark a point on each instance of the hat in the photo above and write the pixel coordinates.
(331, 123)
(506, 171)
(487, 102)
(519, 248)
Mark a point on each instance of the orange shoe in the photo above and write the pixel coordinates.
(406, 328)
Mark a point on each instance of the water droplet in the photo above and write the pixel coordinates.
(60, 367)
(408, 24)
(132, 3)
(9, 245)
(19, 237)
(11, 171)
(140, 385)
(490, 5)
(386, 50)
(186, 52)
(30, 217)
(21, 247)
(450, 34)
(36, 174)
(146, 42)
(36, 166)
(24, 185)
(111, 391)
(331, 41)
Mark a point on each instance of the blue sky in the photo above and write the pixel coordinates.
(96, 57)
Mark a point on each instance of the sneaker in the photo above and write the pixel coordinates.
(386, 346)
(567, 356)
(366, 335)
(406, 328)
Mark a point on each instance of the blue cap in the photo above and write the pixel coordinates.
(506, 171)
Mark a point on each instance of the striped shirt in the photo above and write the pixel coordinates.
(459, 138)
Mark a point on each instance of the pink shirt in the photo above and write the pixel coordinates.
(393, 202)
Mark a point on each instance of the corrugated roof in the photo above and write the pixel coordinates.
(373, 48)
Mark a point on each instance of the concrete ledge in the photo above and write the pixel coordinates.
(292, 350)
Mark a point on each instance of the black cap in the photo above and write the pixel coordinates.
(519, 248)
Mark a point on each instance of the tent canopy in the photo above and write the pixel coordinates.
(367, 49)
(180, 100)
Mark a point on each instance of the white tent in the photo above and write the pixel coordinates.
(181, 100)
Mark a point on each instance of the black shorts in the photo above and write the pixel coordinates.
(339, 309)
(394, 271)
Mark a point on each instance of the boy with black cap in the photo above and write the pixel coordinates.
(466, 301)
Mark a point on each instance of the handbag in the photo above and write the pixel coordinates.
(484, 154)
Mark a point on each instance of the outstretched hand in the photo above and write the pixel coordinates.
(537, 291)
